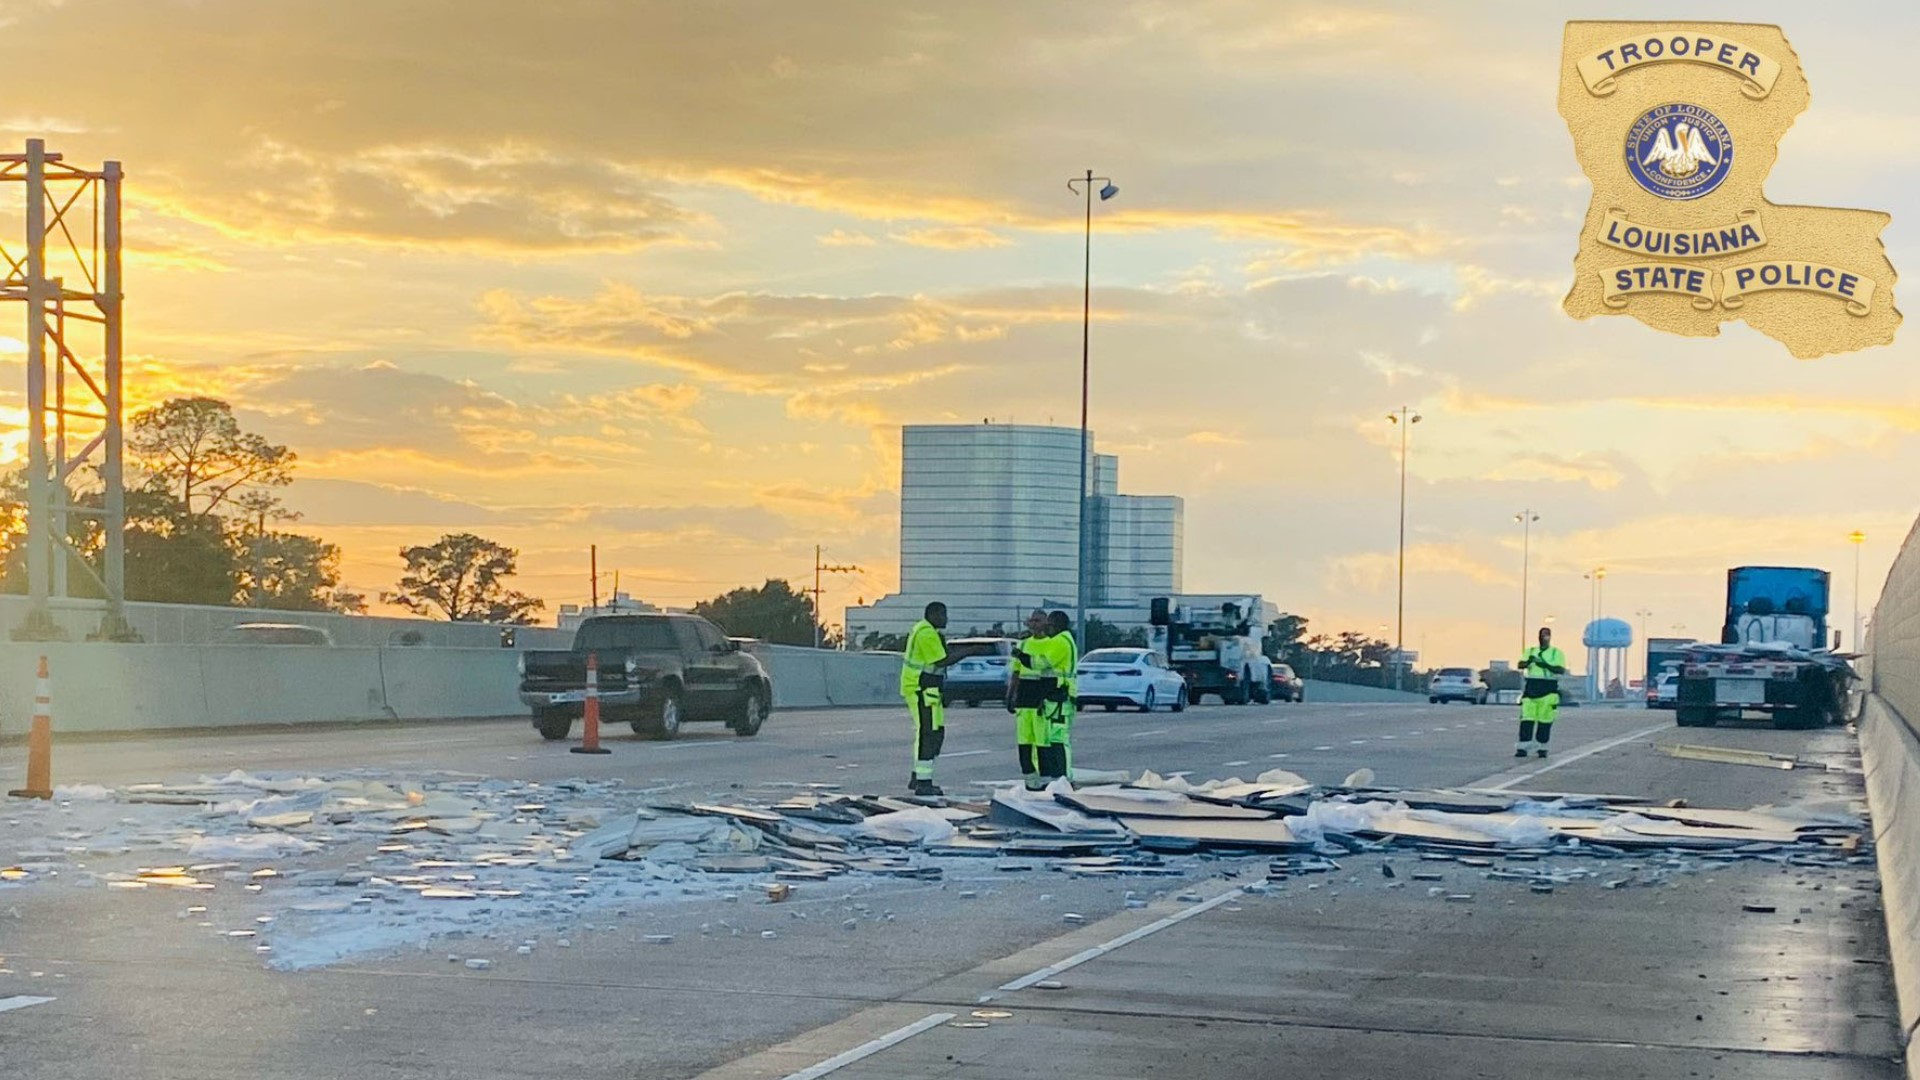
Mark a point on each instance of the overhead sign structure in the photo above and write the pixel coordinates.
(1677, 125)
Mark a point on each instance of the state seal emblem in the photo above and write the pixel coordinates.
(1679, 151)
(1676, 126)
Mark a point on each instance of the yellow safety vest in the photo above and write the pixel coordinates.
(925, 649)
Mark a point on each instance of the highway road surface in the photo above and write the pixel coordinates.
(1342, 976)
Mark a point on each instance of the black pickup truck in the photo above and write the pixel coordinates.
(655, 672)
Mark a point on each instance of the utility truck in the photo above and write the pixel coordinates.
(1214, 643)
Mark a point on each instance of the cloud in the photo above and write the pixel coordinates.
(502, 198)
(843, 238)
(951, 237)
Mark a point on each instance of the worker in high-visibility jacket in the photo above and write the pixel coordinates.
(1031, 682)
(922, 676)
(1056, 714)
(1540, 699)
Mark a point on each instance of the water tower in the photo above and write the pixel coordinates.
(1607, 642)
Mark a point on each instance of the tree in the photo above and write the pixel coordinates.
(194, 448)
(460, 578)
(1101, 634)
(291, 572)
(875, 641)
(183, 560)
(774, 612)
(1285, 642)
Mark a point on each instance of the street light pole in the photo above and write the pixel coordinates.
(1406, 418)
(1859, 539)
(1086, 325)
(1646, 673)
(1526, 518)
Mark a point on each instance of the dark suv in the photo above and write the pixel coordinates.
(655, 672)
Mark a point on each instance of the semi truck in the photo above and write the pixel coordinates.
(1773, 656)
(1214, 643)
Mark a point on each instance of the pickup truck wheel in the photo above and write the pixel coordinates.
(552, 724)
(665, 722)
(752, 714)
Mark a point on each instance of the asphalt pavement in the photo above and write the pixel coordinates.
(1342, 976)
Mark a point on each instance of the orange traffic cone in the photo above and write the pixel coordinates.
(590, 733)
(39, 742)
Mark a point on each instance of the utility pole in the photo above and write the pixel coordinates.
(818, 569)
(593, 573)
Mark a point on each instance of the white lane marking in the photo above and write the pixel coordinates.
(1237, 764)
(846, 731)
(1277, 757)
(1275, 720)
(21, 1001)
(1584, 752)
(1144, 734)
(1127, 938)
(967, 753)
(1323, 748)
(1356, 742)
(1389, 738)
(871, 1047)
(1416, 733)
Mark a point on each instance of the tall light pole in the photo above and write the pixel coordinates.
(1859, 540)
(1526, 518)
(1107, 191)
(1406, 418)
(1594, 577)
(1646, 674)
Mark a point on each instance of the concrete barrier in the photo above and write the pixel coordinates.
(1891, 754)
(864, 679)
(428, 684)
(112, 687)
(799, 675)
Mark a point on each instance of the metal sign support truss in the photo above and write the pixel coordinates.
(76, 470)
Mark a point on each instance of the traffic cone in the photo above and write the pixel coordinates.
(39, 742)
(590, 730)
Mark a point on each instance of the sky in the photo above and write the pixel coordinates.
(667, 278)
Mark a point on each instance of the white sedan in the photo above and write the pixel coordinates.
(1138, 678)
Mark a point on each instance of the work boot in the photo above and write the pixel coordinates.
(1542, 752)
(925, 789)
(1521, 752)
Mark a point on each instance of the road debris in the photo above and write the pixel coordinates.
(331, 867)
(1727, 755)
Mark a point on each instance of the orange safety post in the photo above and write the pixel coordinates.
(39, 742)
(590, 735)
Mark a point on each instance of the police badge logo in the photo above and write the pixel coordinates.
(1679, 151)
(1676, 125)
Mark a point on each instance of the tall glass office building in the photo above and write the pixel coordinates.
(989, 523)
